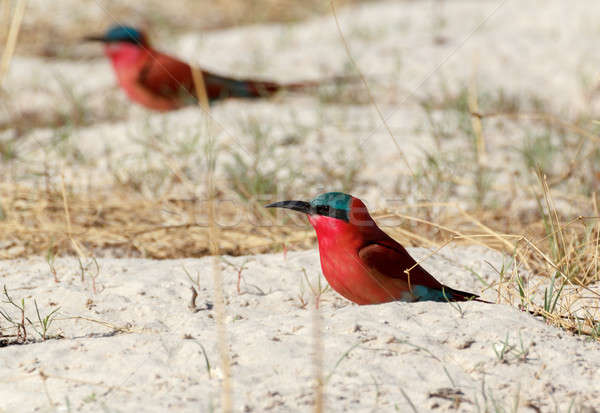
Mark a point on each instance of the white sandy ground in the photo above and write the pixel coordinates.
(421, 349)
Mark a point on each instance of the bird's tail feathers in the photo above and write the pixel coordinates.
(335, 80)
(456, 295)
(263, 88)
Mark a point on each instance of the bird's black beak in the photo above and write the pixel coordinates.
(300, 206)
(94, 39)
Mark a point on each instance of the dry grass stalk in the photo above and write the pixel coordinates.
(125, 329)
(200, 87)
(226, 388)
(87, 382)
(213, 241)
(317, 334)
(473, 102)
(11, 40)
(4, 19)
(68, 219)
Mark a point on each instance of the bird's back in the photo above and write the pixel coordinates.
(168, 78)
(150, 78)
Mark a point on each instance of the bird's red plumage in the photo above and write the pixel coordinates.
(162, 82)
(167, 77)
(367, 266)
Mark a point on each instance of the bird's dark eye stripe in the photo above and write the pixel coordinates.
(131, 39)
(322, 209)
(327, 211)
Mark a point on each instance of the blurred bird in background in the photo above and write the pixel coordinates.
(162, 82)
(363, 263)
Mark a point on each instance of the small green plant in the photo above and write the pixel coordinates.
(206, 361)
(454, 304)
(91, 398)
(504, 349)
(20, 325)
(523, 352)
(195, 282)
(551, 294)
(521, 288)
(83, 268)
(492, 405)
(409, 401)
(339, 360)
(44, 321)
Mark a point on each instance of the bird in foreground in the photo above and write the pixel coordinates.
(162, 82)
(360, 261)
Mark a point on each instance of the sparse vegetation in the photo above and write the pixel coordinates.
(254, 170)
(20, 321)
(505, 350)
(317, 289)
(506, 171)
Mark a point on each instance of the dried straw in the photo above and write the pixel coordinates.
(11, 40)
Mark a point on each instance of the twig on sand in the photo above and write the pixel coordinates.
(192, 305)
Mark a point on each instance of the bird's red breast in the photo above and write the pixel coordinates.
(150, 78)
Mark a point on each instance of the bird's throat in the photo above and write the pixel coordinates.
(124, 54)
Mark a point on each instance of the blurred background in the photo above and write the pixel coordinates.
(53, 30)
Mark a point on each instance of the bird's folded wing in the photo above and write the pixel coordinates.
(218, 86)
(167, 77)
(390, 259)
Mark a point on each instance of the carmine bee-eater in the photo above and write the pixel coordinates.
(161, 82)
(360, 261)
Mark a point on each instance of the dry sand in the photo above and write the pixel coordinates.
(442, 357)
(149, 356)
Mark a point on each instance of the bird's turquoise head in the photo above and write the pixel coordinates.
(333, 204)
(120, 34)
(336, 205)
